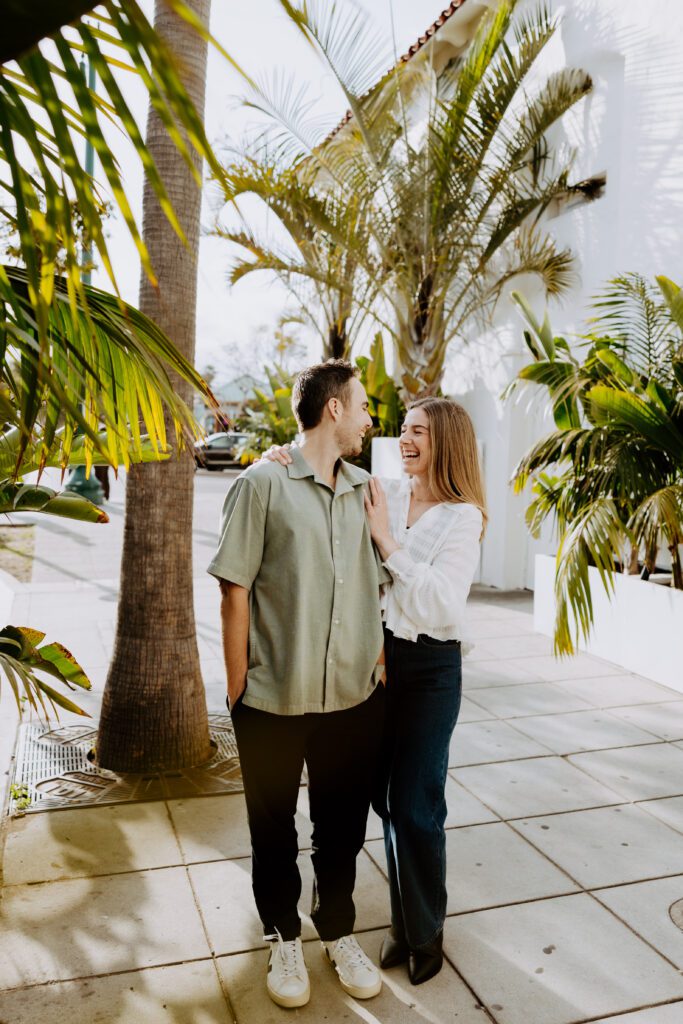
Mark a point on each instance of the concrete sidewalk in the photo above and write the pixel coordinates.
(565, 844)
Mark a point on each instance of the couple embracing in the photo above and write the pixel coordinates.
(328, 578)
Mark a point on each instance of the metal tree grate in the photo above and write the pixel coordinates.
(52, 771)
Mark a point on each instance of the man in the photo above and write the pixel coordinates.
(301, 635)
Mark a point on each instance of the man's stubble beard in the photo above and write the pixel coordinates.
(349, 445)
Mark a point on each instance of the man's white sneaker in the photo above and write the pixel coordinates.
(287, 982)
(357, 974)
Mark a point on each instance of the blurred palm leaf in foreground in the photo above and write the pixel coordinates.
(71, 356)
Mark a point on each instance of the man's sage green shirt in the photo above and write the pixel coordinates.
(305, 554)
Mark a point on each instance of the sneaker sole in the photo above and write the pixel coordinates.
(354, 990)
(289, 1002)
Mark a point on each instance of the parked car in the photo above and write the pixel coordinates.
(218, 451)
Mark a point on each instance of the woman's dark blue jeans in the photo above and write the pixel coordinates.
(424, 683)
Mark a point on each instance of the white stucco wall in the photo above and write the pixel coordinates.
(631, 127)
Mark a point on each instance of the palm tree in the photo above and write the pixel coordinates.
(450, 165)
(319, 259)
(74, 358)
(154, 707)
(609, 477)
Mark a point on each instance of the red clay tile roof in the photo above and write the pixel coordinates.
(415, 48)
(434, 27)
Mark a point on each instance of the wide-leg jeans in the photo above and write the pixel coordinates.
(340, 750)
(424, 685)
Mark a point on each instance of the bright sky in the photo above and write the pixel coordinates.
(261, 39)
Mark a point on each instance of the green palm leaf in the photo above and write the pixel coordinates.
(592, 539)
(99, 362)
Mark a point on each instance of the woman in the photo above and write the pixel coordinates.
(427, 528)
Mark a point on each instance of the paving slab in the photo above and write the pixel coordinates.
(445, 1000)
(669, 810)
(672, 1013)
(619, 691)
(106, 840)
(463, 807)
(662, 720)
(579, 666)
(216, 827)
(516, 646)
(540, 785)
(527, 699)
(180, 994)
(581, 730)
(491, 866)
(471, 712)
(74, 928)
(607, 846)
(557, 961)
(654, 910)
(485, 742)
(224, 896)
(487, 628)
(478, 674)
(638, 773)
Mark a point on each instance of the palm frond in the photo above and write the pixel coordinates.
(595, 538)
(631, 310)
(22, 658)
(102, 361)
(660, 513)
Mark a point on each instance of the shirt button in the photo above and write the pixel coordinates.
(340, 581)
(337, 621)
(330, 660)
(336, 541)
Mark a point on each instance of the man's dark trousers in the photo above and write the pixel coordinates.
(340, 750)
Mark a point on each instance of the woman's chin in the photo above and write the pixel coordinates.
(409, 467)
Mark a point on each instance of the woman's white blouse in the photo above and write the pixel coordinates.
(432, 570)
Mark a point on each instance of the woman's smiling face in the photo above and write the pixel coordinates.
(415, 443)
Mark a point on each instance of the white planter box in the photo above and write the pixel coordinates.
(639, 627)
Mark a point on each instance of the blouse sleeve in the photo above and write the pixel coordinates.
(436, 592)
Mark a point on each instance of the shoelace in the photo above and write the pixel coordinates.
(348, 950)
(288, 953)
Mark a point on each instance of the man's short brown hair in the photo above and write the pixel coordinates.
(316, 385)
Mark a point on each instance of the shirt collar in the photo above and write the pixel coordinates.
(348, 476)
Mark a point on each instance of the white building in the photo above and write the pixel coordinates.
(630, 128)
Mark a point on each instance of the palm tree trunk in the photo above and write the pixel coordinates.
(676, 568)
(154, 707)
(633, 565)
(337, 341)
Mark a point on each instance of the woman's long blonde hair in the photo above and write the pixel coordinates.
(454, 470)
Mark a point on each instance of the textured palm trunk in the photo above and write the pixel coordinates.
(154, 707)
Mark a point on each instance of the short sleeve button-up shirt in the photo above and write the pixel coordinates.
(305, 554)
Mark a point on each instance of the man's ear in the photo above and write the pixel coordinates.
(335, 408)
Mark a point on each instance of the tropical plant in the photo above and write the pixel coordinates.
(268, 418)
(22, 658)
(432, 188)
(610, 476)
(385, 403)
